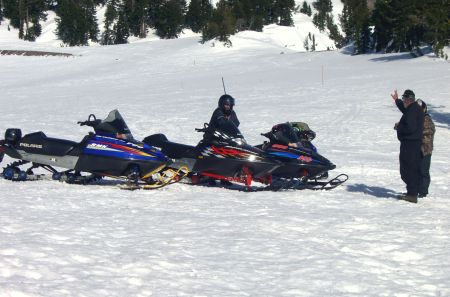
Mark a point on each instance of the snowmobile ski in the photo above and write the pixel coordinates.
(158, 180)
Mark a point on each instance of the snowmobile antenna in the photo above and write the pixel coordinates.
(223, 84)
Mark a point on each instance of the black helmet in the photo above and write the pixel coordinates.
(408, 94)
(226, 100)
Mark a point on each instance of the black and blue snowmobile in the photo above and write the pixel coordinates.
(302, 166)
(110, 151)
(220, 155)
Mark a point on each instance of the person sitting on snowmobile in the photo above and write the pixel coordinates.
(222, 117)
(224, 113)
(293, 134)
(304, 134)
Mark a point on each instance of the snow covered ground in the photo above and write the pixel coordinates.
(357, 240)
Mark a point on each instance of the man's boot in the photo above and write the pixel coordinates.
(409, 198)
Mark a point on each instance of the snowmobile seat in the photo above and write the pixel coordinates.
(171, 149)
(39, 143)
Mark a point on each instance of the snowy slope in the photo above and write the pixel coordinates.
(67, 240)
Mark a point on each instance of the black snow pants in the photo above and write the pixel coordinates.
(425, 175)
(410, 160)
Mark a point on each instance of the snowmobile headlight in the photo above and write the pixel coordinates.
(240, 141)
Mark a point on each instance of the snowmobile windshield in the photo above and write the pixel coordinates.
(114, 124)
(229, 131)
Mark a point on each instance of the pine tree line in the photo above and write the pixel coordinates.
(25, 15)
(397, 25)
(77, 21)
(386, 26)
(391, 26)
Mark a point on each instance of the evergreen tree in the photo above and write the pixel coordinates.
(283, 11)
(71, 28)
(346, 22)
(137, 12)
(260, 13)
(90, 17)
(1, 11)
(382, 19)
(306, 9)
(313, 46)
(198, 14)
(264, 12)
(252, 14)
(355, 24)
(242, 11)
(401, 25)
(437, 20)
(121, 29)
(211, 31)
(335, 35)
(154, 11)
(324, 9)
(76, 22)
(404, 25)
(111, 14)
(170, 20)
(222, 24)
(25, 15)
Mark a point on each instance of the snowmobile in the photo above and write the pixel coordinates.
(110, 151)
(221, 155)
(303, 167)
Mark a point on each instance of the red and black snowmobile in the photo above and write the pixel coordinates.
(222, 154)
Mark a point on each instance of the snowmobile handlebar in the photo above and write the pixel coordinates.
(91, 123)
(268, 135)
(204, 129)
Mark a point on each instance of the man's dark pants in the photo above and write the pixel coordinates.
(410, 159)
(425, 174)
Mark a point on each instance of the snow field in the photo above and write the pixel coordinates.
(68, 240)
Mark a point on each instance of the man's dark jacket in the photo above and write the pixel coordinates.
(219, 119)
(410, 126)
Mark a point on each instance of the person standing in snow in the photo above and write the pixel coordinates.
(427, 149)
(224, 113)
(409, 133)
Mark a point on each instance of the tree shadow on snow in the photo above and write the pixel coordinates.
(393, 57)
(373, 191)
(441, 119)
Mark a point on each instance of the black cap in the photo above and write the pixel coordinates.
(408, 94)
